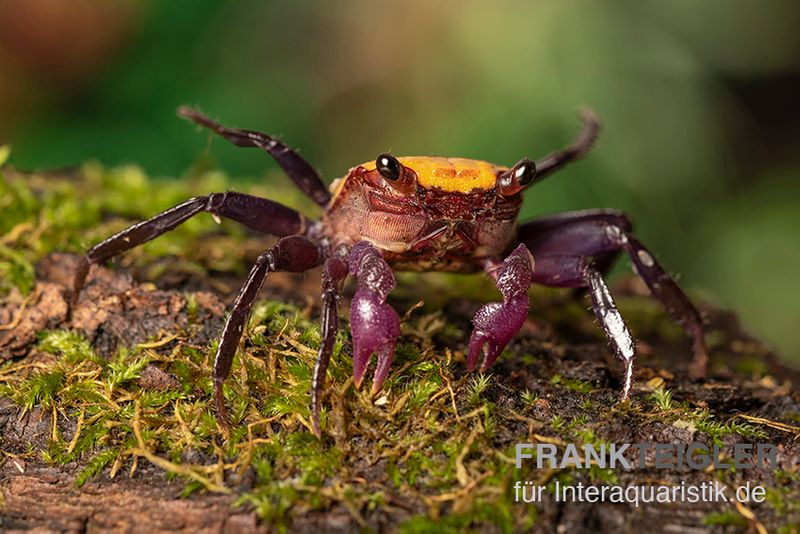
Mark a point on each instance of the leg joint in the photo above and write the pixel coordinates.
(214, 202)
(268, 257)
(330, 294)
(617, 234)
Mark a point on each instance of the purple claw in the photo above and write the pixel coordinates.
(374, 325)
(497, 322)
(385, 357)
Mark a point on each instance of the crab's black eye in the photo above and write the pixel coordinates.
(389, 167)
(514, 180)
(524, 172)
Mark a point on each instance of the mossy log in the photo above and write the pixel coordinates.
(106, 419)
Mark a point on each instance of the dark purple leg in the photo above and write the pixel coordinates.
(674, 300)
(374, 325)
(575, 271)
(293, 254)
(602, 262)
(334, 272)
(255, 212)
(497, 322)
(299, 170)
(563, 259)
(541, 225)
(556, 160)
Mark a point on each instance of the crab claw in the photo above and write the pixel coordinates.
(495, 324)
(375, 327)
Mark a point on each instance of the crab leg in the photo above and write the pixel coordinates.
(293, 254)
(374, 325)
(497, 322)
(612, 323)
(299, 170)
(582, 144)
(254, 212)
(603, 262)
(334, 272)
(563, 254)
(540, 225)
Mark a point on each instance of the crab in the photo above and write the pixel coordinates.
(420, 214)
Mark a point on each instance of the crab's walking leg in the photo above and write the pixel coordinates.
(293, 254)
(564, 251)
(255, 212)
(374, 325)
(612, 322)
(497, 322)
(602, 262)
(583, 143)
(299, 170)
(664, 288)
(334, 272)
(540, 225)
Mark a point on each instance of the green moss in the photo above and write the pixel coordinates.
(476, 388)
(69, 345)
(40, 389)
(579, 386)
(15, 271)
(96, 464)
(483, 513)
(557, 423)
(272, 503)
(529, 397)
(717, 430)
(663, 398)
(728, 518)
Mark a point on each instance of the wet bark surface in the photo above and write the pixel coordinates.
(115, 311)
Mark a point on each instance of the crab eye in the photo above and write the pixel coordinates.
(524, 172)
(514, 180)
(389, 167)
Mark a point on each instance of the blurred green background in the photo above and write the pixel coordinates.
(699, 102)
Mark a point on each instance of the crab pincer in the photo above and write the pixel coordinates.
(374, 325)
(497, 322)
